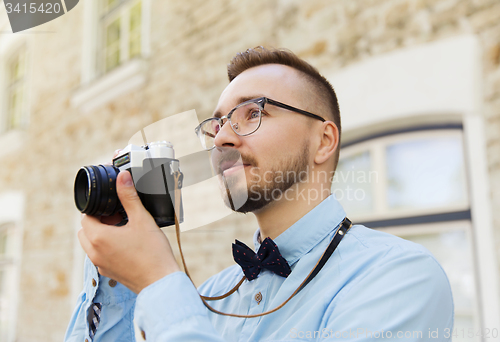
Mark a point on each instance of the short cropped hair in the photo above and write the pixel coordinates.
(260, 56)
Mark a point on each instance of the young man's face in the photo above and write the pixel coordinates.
(278, 154)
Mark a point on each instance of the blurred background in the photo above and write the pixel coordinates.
(418, 83)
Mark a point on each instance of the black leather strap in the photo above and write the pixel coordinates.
(339, 235)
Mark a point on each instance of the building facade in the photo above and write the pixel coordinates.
(418, 83)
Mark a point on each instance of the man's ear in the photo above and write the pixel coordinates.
(329, 142)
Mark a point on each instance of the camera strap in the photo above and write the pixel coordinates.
(339, 235)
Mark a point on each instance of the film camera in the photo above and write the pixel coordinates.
(153, 168)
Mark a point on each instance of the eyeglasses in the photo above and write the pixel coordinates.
(244, 119)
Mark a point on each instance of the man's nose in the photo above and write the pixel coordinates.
(227, 137)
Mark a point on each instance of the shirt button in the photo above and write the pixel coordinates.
(258, 298)
(94, 283)
(143, 334)
(86, 340)
(112, 282)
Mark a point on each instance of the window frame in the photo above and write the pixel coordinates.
(97, 88)
(5, 125)
(122, 12)
(376, 145)
(93, 38)
(477, 217)
(9, 46)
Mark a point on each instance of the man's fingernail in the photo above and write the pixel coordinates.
(127, 179)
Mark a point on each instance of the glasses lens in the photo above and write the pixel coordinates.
(246, 118)
(208, 131)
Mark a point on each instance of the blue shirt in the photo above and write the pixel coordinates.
(375, 286)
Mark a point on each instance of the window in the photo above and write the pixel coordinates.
(402, 175)
(425, 172)
(120, 22)
(116, 35)
(16, 91)
(413, 184)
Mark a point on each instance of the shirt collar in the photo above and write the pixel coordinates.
(308, 231)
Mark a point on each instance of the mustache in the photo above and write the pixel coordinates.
(223, 159)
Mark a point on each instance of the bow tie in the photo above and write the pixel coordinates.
(268, 256)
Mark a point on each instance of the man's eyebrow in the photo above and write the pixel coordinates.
(218, 114)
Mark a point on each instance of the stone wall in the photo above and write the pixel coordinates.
(191, 44)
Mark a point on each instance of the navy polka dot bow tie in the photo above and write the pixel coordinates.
(268, 256)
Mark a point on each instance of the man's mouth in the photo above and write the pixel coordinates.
(230, 167)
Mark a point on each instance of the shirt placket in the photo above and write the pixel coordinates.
(258, 295)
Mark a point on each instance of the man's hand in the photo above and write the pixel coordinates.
(136, 254)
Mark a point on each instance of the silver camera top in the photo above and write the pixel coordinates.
(133, 155)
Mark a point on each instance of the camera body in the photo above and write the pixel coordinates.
(153, 168)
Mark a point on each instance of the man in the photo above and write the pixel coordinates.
(282, 117)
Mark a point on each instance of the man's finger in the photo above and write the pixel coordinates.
(129, 197)
(93, 229)
(85, 243)
(89, 249)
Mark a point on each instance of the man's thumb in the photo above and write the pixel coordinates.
(128, 195)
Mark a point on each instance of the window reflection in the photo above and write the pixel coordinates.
(426, 173)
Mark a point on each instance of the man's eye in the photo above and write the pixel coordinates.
(254, 114)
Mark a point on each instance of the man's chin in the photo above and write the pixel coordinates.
(241, 199)
(248, 206)
(253, 206)
(234, 192)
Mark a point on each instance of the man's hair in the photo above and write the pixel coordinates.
(260, 56)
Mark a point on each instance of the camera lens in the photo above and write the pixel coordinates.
(95, 190)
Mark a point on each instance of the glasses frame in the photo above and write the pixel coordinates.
(261, 102)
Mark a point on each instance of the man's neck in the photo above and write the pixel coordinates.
(278, 216)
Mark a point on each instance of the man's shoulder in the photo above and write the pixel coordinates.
(379, 272)
(361, 238)
(371, 252)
